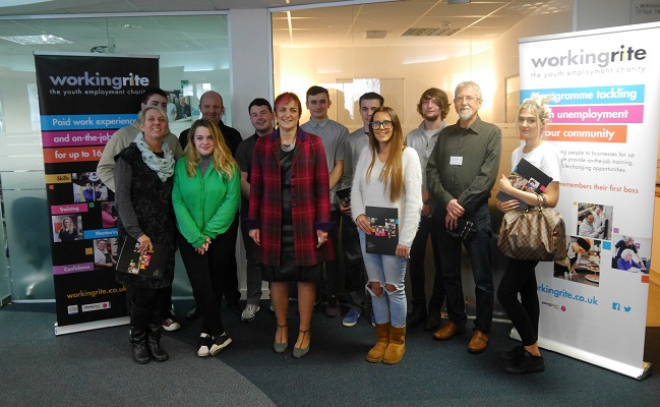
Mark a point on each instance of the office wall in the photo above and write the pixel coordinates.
(295, 69)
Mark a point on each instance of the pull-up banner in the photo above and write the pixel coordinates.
(83, 100)
(603, 87)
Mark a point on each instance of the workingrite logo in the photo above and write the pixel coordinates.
(96, 80)
(602, 59)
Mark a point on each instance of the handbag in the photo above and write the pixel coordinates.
(533, 234)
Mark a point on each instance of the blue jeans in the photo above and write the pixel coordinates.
(478, 250)
(390, 306)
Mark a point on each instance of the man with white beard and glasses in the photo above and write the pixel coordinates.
(460, 173)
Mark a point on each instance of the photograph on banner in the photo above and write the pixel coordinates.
(106, 253)
(108, 215)
(67, 228)
(88, 187)
(183, 108)
(582, 263)
(631, 254)
(594, 220)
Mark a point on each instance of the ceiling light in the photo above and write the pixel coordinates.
(11, 3)
(458, 1)
(36, 39)
(375, 34)
(430, 32)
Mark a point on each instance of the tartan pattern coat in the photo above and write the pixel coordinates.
(310, 199)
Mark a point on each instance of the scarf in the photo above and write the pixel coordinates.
(164, 167)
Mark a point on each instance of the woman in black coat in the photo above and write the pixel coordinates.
(144, 179)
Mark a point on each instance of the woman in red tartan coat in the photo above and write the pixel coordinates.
(289, 217)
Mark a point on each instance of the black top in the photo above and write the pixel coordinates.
(140, 189)
(244, 159)
(286, 160)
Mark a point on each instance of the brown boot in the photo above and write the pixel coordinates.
(376, 353)
(397, 346)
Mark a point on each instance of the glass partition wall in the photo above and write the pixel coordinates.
(398, 49)
(194, 55)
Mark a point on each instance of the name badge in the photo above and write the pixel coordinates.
(453, 160)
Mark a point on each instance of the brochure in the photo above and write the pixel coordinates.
(384, 235)
(151, 264)
(525, 176)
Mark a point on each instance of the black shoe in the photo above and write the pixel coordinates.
(433, 320)
(332, 308)
(416, 317)
(140, 353)
(193, 313)
(528, 364)
(139, 345)
(153, 345)
(219, 343)
(512, 355)
(235, 306)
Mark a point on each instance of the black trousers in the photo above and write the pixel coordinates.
(417, 272)
(520, 277)
(330, 283)
(231, 291)
(355, 277)
(209, 274)
(150, 302)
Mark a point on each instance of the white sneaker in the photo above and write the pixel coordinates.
(250, 312)
(205, 343)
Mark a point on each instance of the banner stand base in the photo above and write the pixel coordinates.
(600, 361)
(89, 326)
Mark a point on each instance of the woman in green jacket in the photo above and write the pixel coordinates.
(206, 197)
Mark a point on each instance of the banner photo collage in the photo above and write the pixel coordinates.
(83, 100)
(603, 88)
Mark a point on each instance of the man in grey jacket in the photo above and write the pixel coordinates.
(433, 106)
(106, 170)
(125, 136)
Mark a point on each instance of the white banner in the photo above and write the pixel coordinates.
(604, 87)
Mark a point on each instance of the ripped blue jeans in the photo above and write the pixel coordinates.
(391, 306)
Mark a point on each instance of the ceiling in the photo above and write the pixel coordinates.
(478, 23)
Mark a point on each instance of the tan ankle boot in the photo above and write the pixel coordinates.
(397, 347)
(376, 353)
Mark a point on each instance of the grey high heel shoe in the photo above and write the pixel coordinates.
(280, 347)
(300, 352)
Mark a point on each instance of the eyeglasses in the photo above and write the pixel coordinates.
(468, 99)
(387, 124)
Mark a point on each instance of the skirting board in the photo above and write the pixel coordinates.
(89, 326)
(600, 361)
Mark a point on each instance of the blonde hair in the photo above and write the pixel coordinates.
(392, 173)
(142, 116)
(71, 222)
(222, 158)
(539, 105)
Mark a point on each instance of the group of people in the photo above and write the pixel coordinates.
(186, 193)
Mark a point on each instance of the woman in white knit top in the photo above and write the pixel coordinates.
(388, 175)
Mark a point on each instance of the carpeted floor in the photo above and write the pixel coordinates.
(95, 369)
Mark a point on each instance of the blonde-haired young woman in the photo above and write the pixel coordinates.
(206, 196)
(520, 275)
